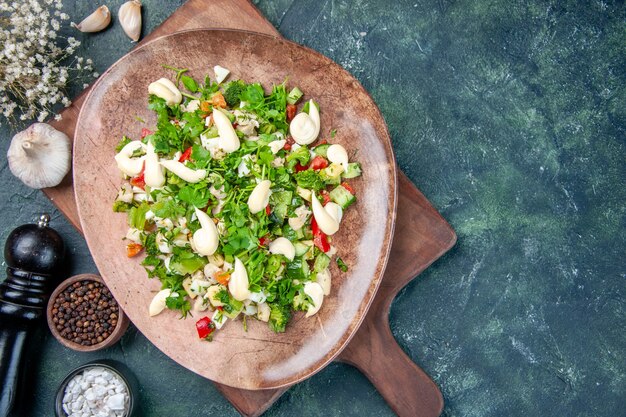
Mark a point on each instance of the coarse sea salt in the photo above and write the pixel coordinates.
(96, 391)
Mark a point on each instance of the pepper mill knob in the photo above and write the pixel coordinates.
(35, 248)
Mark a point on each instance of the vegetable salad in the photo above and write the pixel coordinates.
(234, 198)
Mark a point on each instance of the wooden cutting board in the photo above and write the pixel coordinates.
(421, 237)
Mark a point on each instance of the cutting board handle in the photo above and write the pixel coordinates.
(408, 390)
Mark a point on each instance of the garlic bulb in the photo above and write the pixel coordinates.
(96, 21)
(238, 282)
(166, 90)
(260, 196)
(316, 292)
(130, 18)
(305, 128)
(40, 156)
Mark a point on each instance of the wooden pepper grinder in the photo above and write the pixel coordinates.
(33, 253)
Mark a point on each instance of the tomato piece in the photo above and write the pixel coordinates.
(268, 210)
(319, 162)
(205, 327)
(325, 196)
(264, 241)
(222, 277)
(218, 100)
(186, 156)
(299, 167)
(133, 249)
(139, 180)
(289, 143)
(145, 132)
(322, 142)
(348, 187)
(291, 111)
(320, 240)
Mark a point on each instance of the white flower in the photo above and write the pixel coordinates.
(33, 80)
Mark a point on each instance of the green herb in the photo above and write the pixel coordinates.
(179, 71)
(137, 216)
(310, 180)
(125, 141)
(301, 155)
(178, 303)
(342, 265)
(189, 83)
(279, 316)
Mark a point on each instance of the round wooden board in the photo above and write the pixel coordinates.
(258, 358)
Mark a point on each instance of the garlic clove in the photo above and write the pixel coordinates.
(305, 128)
(334, 210)
(126, 163)
(187, 174)
(238, 282)
(263, 312)
(259, 197)
(277, 145)
(129, 16)
(201, 304)
(338, 155)
(40, 156)
(327, 223)
(158, 302)
(228, 139)
(96, 21)
(220, 73)
(206, 239)
(282, 246)
(153, 174)
(316, 292)
(166, 90)
(324, 279)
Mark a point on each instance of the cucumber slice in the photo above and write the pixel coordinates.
(301, 248)
(321, 150)
(342, 197)
(353, 171)
(294, 95)
(332, 174)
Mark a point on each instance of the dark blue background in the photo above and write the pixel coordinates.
(510, 116)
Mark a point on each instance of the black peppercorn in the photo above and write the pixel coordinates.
(85, 313)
